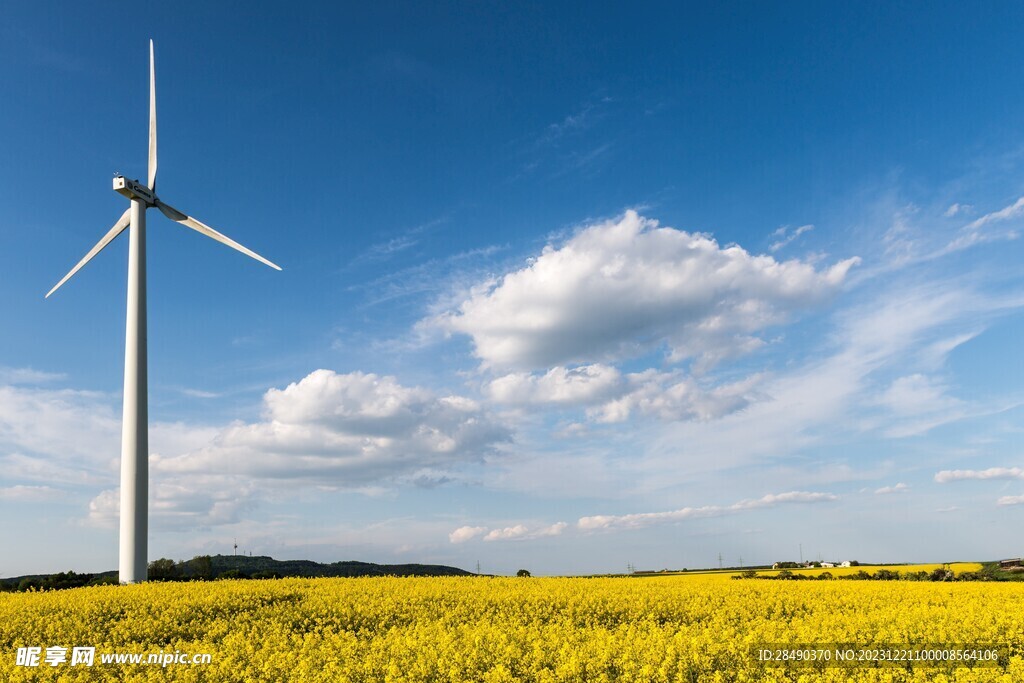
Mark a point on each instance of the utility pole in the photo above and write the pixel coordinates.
(235, 553)
(719, 560)
(801, 553)
(741, 560)
(478, 566)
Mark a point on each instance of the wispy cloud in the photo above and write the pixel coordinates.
(435, 276)
(946, 476)
(889, 490)
(384, 250)
(28, 376)
(516, 532)
(30, 494)
(199, 393)
(645, 519)
(972, 233)
(785, 239)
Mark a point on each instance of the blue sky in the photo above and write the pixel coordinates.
(565, 287)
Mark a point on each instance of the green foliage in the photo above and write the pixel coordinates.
(266, 575)
(523, 572)
(232, 574)
(201, 567)
(162, 570)
(103, 581)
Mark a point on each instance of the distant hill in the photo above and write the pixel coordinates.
(247, 566)
(262, 563)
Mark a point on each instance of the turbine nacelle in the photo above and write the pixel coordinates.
(133, 189)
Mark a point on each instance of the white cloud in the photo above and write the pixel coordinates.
(517, 532)
(582, 385)
(354, 432)
(1011, 500)
(671, 397)
(185, 504)
(645, 519)
(957, 208)
(972, 233)
(828, 397)
(623, 287)
(520, 532)
(508, 533)
(466, 533)
(613, 397)
(28, 376)
(917, 394)
(30, 494)
(781, 233)
(74, 426)
(199, 393)
(1006, 213)
(350, 430)
(919, 403)
(946, 476)
(889, 490)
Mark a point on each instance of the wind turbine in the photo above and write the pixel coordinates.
(134, 512)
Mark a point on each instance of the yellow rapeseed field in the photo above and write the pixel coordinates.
(692, 628)
(955, 567)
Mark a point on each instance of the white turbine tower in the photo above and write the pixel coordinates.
(134, 428)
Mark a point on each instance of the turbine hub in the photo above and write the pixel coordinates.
(133, 189)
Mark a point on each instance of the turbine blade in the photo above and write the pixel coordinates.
(204, 229)
(152, 119)
(120, 225)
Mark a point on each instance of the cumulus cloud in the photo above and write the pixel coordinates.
(354, 432)
(182, 505)
(613, 397)
(672, 397)
(518, 532)
(888, 490)
(623, 287)
(559, 385)
(348, 429)
(522, 532)
(466, 533)
(646, 519)
(946, 476)
(62, 425)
